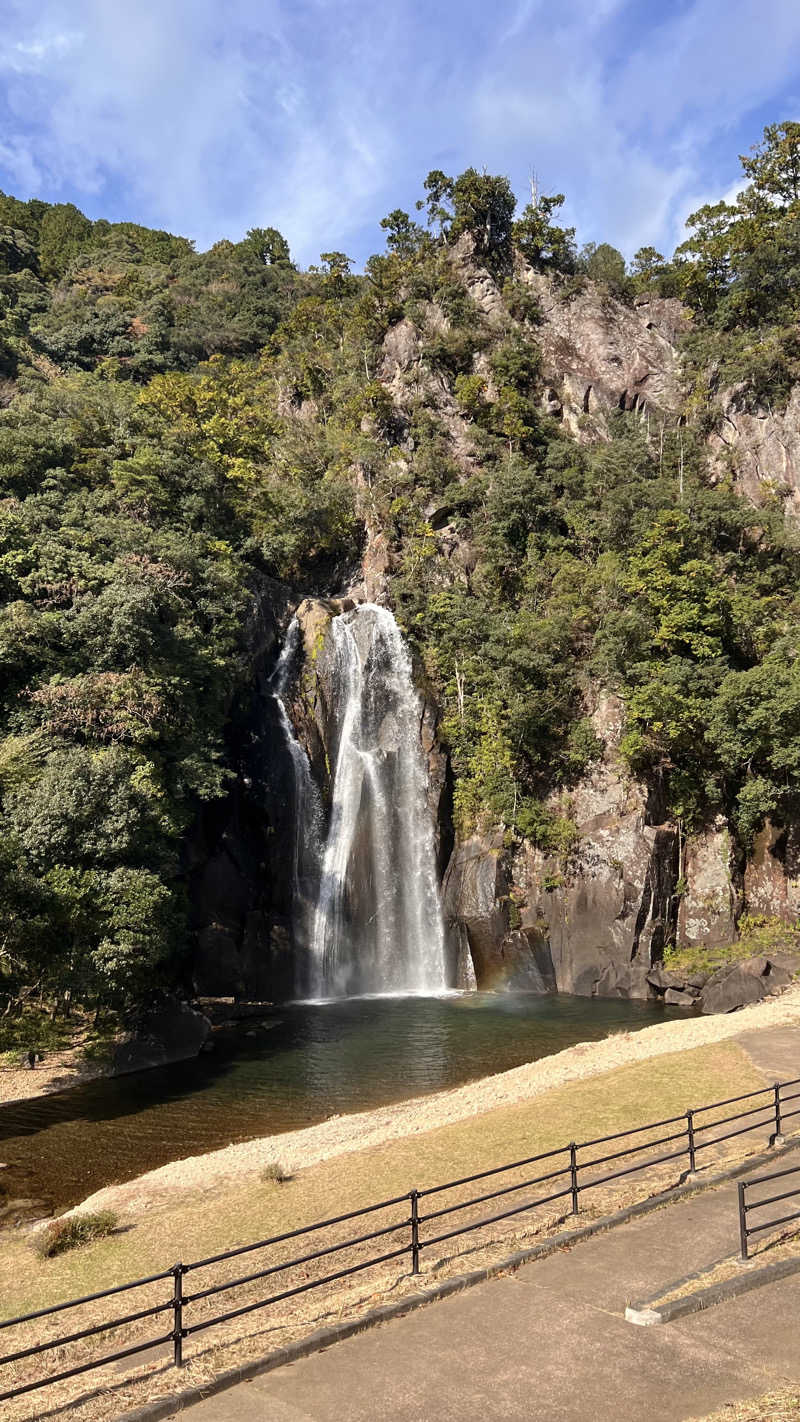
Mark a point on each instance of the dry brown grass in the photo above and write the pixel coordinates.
(781, 1406)
(775, 1250)
(207, 1223)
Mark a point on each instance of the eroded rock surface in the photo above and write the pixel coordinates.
(601, 355)
(772, 875)
(711, 901)
(593, 925)
(760, 447)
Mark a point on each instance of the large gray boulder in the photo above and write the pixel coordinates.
(735, 986)
(171, 1032)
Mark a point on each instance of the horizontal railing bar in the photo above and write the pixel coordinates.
(632, 1169)
(632, 1150)
(730, 1100)
(493, 1195)
(773, 1224)
(729, 1135)
(290, 1293)
(787, 1115)
(794, 1097)
(86, 1333)
(491, 1219)
(773, 1175)
(293, 1263)
(635, 1130)
(87, 1298)
(294, 1233)
(87, 1367)
(738, 1116)
(773, 1199)
(495, 1170)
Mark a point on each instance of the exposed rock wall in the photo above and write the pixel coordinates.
(712, 899)
(238, 858)
(760, 447)
(772, 875)
(592, 924)
(601, 355)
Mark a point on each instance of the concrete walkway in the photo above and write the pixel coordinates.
(775, 1051)
(551, 1342)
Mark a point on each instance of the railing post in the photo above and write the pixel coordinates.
(690, 1137)
(573, 1175)
(177, 1316)
(414, 1231)
(778, 1123)
(742, 1219)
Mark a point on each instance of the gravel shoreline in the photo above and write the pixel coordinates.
(342, 1134)
(59, 1071)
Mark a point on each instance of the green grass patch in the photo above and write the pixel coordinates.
(34, 1030)
(758, 935)
(71, 1233)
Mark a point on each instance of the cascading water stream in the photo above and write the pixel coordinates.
(307, 818)
(378, 924)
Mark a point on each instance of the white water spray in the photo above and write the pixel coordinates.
(378, 922)
(307, 817)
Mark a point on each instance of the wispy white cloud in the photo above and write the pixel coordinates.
(319, 115)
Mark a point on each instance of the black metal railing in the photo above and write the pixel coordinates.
(570, 1172)
(747, 1207)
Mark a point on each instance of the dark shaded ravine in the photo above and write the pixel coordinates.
(306, 1064)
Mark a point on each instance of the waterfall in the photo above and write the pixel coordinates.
(378, 923)
(307, 817)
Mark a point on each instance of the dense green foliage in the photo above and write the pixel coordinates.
(135, 514)
(178, 426)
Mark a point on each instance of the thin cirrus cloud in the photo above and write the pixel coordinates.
(318, 116)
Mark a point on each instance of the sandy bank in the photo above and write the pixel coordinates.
(58, 1072)
(340, 1134)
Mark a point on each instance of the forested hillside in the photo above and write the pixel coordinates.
(178, 428)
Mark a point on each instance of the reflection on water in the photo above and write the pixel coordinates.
(309, 1061)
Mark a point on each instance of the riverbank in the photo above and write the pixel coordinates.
(59, 1071)
(341, 1135)
(172, 1031)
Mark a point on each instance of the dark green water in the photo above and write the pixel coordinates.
(308, 1062)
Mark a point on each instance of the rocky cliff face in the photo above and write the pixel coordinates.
(760, 448)
(596, 921)
(592, 923)
(602, 356)
(239, 856)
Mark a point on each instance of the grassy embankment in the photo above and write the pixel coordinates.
(202, 1223)
(219, 1219)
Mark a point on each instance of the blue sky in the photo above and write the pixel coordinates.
(319, 116)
